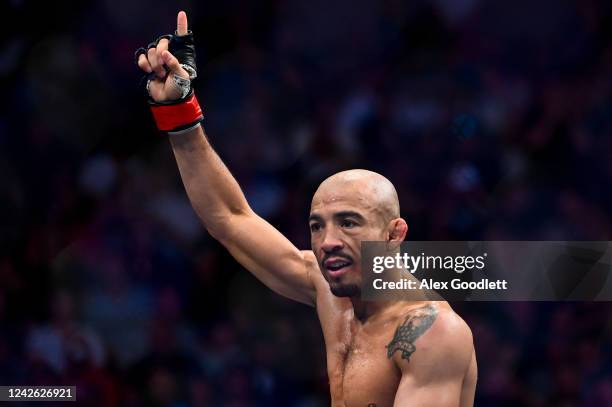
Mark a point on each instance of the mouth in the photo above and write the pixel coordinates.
(337, 266)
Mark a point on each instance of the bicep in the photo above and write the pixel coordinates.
(439, 393)
(270, 256)
(468, 390)
(453, 389)
(435, 373)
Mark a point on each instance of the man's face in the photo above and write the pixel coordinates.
(340, 218)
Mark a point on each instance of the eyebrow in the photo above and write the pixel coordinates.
(349, 214)
(343, 214)
(316, 217)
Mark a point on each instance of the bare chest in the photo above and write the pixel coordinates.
(360, 373)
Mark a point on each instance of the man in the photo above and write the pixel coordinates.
(411, 353)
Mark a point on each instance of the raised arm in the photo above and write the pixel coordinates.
(214, 193)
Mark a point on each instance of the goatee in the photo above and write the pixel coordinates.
(345, 290)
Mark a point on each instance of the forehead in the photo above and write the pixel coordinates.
(347, 196)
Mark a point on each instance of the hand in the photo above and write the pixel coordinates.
(162, 86)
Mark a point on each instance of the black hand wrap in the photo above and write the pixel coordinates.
(183, 113)
(183, 48)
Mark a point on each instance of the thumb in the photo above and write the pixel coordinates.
(173, 63)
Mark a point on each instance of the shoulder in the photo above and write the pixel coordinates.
(431, 341)
(312, 267)
(309, 258)
(328, 305)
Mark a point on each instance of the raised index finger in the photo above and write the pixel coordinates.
(181, 23)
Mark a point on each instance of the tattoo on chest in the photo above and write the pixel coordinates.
(416, 323)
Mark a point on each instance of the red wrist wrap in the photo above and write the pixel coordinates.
(175, 117)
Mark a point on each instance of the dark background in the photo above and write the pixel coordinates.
(492, 118)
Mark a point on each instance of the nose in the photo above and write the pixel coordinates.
(331, 243)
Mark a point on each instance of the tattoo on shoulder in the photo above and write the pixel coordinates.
(416, 323)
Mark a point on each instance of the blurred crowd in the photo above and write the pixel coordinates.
(492, 119)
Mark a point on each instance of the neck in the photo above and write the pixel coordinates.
(366, 309)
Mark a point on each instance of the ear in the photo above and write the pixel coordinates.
(397, 230)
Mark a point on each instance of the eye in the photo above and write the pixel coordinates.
(314, 227)
(347, 223)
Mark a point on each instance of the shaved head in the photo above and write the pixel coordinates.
(350, 207)
(371, 188)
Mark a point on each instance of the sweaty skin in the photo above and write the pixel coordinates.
(383, 354)
(412, 353)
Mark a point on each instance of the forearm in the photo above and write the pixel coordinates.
(214, 193)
